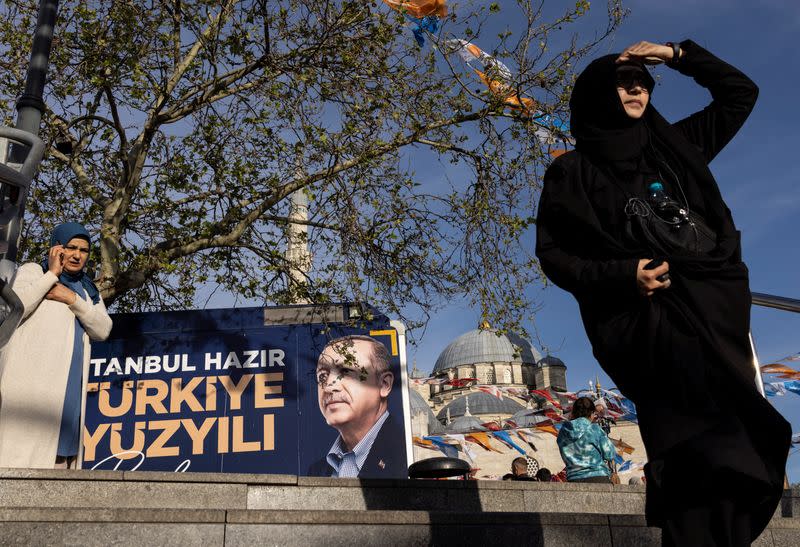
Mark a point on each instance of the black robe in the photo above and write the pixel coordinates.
(683, 356)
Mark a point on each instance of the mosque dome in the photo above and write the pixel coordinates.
(480, 403)
(419, 406)
(526, 418)
(486, 345)
(464, 424)
(550, 361)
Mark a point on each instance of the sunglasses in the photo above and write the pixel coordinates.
(629, 79)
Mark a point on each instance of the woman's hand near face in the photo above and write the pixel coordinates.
(55, 259)
(61, 293)
(647, 280)
(641, 50)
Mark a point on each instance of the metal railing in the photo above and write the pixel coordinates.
(777, 302)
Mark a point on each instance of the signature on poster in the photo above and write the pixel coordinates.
(131, 454)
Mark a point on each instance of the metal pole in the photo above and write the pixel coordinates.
(757, 366)
(30, 108)
(30, 105)
(769, 301)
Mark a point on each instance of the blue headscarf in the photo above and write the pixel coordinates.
(61, 236)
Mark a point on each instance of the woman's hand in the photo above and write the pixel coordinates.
(61, 293)
(646, 52)
(55, 259)
(647, 280)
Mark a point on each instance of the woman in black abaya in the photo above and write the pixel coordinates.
(675, 344)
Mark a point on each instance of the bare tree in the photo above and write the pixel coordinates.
(192, 122)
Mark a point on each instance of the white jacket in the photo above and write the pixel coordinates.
(34, 366)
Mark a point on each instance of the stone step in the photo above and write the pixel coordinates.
(65, 488)
(335, 527)
(55, 507)
(72, 489)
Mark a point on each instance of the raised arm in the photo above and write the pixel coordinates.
(31, 285)
(733, 98)
(733, 94)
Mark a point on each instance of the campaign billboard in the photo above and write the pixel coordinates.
(286, 390)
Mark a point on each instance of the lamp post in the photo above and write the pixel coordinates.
(30, 108)
(25, 152)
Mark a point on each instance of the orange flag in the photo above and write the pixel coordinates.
(777, 368)
(547, 429)
(622, 446)
(424, 443)
(482, 439)
(512, 100)
(419, 8)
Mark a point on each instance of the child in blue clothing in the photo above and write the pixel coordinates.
(585, 448)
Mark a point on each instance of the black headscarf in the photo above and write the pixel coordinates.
(598, 120)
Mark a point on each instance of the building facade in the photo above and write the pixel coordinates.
(486, 357)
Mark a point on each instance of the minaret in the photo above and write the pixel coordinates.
(414, 372)
(297, 253)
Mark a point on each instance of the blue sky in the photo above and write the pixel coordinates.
(758, 173)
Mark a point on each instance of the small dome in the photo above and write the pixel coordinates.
(486, 346)
(418, 405)
(480, 403)
(550, 361)
(526, 418)
(464, 424)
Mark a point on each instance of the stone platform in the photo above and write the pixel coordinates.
(40, 507)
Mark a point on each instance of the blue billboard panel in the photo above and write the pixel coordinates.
(221, 391)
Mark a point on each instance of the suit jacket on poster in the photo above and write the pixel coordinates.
(386, 458)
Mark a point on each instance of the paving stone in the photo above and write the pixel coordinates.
(790, 503)
(338, 498)
(325, 535)
(110, 494)
(111, 534)
(765, 540)
(59, 474)
(635, 536)
(601, 502)
(784, 537)
(490, 500)
(230, 478)
(38, 514)
(303, 517)
(530, 533)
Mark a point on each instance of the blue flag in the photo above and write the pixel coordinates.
(447, 449)
(504, 436)
(793, 386)
(428, 24)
